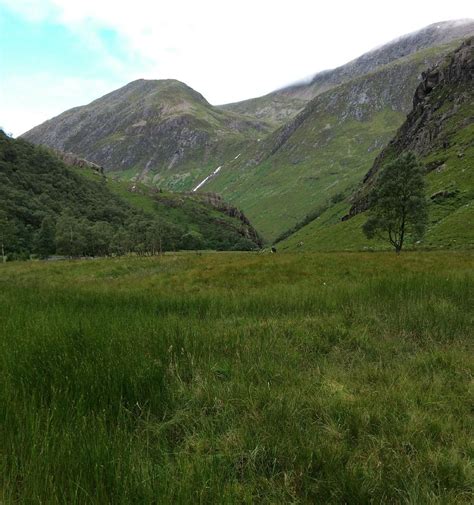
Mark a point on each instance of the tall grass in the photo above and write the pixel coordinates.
(237, 378)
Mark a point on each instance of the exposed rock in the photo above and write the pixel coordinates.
(219, 204)
(438, 165)
(447, 87)
(74, 161)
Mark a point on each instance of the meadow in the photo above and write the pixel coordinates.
(238, 378)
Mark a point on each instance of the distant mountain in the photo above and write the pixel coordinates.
(327, 148)
(161, 132)
(281, 105)
(48, 206)
(440, 130)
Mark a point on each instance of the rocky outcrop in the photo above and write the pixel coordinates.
(211, 202)
(443, 91)
(74, 161)
(221, 205)
(218, 203)
(424, 127)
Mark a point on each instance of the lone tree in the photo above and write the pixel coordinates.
(397, 204)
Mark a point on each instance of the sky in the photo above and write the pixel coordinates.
(58, 54)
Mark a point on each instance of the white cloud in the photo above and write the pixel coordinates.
(235, 50)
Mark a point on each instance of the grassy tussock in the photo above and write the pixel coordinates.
(237, 378)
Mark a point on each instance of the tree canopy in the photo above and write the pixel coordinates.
(397, 204)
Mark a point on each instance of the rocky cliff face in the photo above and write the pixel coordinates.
(446, 93)
(161, 129)
(217, 202)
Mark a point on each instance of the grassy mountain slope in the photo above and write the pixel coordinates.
(161, 132)
(35, 184)
(327, 148)
(440, 129)
(280, 105)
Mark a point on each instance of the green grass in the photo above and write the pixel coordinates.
(238, 378)
(329, 233)
(450, 227)
(317, 163)
(190, 212)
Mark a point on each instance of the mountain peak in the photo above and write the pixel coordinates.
(154, 127)
(158, 84)
(156, 90)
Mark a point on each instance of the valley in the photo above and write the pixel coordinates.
(303, 145)
(194, 305)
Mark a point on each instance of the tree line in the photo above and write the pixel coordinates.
(46, 208)
(76, 237)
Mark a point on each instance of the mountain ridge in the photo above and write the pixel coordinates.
(295, 96)
(422, 132)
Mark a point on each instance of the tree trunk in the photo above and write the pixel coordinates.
(402, 234)
(4, 258)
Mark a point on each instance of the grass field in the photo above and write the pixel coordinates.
(238, 378)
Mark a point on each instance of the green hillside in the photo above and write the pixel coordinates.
(48, 207)
(451, 217)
